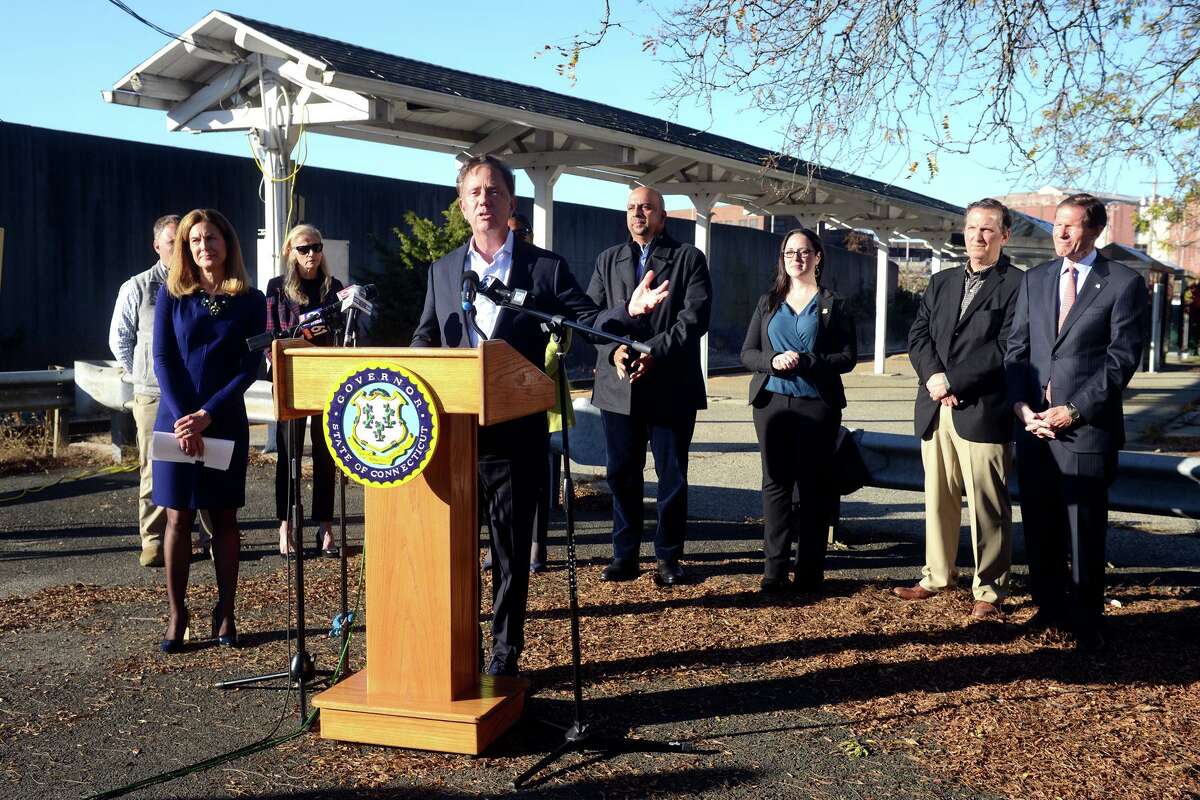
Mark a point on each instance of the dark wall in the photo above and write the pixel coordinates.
(77, 212)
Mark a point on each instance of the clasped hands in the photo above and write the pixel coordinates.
(633, 368)
(938, 387)
(187, 432)
(1043, 424)
(644, 300)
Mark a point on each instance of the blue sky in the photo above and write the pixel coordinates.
(62, 53)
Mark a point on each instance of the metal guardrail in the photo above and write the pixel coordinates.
(1147, 483)
(37, 390)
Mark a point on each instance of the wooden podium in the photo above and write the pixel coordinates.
(421, 687)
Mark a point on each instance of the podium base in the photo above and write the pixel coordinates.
(469, 726)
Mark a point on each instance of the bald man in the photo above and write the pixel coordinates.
(651, 399)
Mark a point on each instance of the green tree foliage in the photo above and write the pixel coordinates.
(405, 272)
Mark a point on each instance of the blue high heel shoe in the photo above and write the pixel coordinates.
(172, 646)
(228, 640)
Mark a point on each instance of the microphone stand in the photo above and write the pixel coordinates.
(301, 668)
(579, 735)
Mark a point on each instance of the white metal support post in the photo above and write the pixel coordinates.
(273, 144)
(881, 309)
(543, 179)
(703, 203)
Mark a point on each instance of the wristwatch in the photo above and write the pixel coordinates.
(1073, 411)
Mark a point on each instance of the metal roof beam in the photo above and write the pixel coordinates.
(499, 139)
(392, 137)
(423, 132)
(752, 188)
(212, 49)
(573, 158)
(134, 100)
(665, 170)
(225, 83)
(311, 115)
(173, 89)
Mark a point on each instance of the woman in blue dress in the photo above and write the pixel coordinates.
(206, 311)
(800, 341)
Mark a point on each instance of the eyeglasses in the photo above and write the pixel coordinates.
(305, 249)
(791, 254)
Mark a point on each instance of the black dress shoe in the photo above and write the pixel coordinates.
(1089, 640)
(499, 665)
(669, 573)
(774, 585)
(1045, 619)
(620, 570)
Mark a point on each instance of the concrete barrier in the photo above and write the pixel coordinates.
(1147, 483)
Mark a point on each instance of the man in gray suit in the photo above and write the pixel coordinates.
(1076, 340)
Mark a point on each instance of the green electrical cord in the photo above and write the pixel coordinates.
(267, 742)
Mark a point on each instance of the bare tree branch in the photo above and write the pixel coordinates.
(1072, 89)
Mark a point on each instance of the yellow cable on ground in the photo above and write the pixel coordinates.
(113, 470)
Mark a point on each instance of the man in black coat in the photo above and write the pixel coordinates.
(651, 398)
(1076, 340)
(513, 454)
(957, 346)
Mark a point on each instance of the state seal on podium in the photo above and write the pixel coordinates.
(381, 425)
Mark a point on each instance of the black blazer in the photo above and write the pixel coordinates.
(673, 329)
(552, 289)
(1088, 363)
(970, 351)
(834, 352)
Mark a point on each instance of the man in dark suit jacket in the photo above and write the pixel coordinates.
(1075, 343)
(957, 346)
(513, 454)
(651, 398)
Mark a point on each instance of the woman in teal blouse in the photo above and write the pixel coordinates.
(800, 341)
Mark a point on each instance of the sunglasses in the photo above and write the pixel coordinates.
(305, 249)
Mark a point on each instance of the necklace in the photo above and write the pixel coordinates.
(215, 305)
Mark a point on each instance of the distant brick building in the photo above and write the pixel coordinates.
(1171, 242)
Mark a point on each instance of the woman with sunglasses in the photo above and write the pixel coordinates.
(800, 341)
(303, 286)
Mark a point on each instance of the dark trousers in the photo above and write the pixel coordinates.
(796, 437)
(321, 509)
(625, 436)
(512, 467)
(1064, 509)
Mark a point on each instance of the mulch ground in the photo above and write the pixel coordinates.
(984, 706)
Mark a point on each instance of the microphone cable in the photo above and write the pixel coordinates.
(270, 740)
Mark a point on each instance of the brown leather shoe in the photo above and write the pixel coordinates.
(917, 592)
(984, 610)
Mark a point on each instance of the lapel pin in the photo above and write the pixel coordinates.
(824, 310)
(1097, 286)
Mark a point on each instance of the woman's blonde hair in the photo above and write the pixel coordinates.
(183, 277)
(291, 267)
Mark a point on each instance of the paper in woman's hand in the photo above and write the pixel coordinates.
(217, 452)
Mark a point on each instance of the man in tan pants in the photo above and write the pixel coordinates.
(957, 346)
(131, 337)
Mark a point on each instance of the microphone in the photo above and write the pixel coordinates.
(470, 286)
(324, 318)
(498, 293)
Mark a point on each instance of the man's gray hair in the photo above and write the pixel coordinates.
(163, 221)
(993, 205)
(474, 162)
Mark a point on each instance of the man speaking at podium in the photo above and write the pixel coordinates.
(513, 454)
